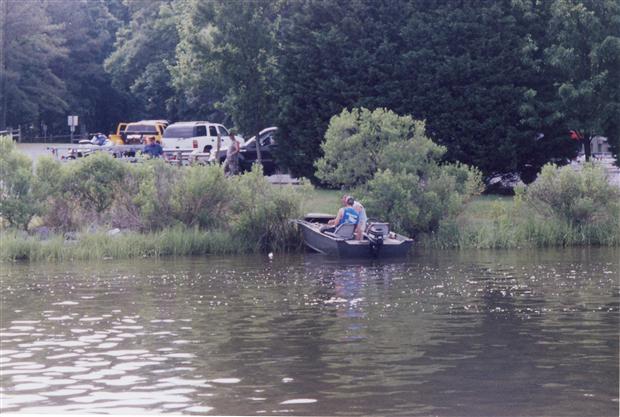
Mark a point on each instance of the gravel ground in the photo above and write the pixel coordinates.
(37, 150)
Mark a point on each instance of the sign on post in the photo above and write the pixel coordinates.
(72, 121)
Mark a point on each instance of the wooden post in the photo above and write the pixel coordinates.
(259, 159)
(217, 148)
(587, 147)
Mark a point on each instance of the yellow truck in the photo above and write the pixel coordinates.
(135, 133)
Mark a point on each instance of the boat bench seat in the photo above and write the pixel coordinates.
(344, 231)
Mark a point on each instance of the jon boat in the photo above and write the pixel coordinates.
(378, 240)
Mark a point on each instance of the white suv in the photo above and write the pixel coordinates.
(196, 136)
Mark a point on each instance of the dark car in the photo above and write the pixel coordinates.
(247, 152)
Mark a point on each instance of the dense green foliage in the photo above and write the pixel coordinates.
(235, 43)
(360, 142)
(17, 201)
(99, 193)
(144, 51)
(576, 198)
(397, 169)
(563, 207)
(489, 78)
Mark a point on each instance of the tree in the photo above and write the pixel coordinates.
(360, 142)
(88, 29)
(229, 47)
(144, 52)
(332, 56)
(466, 73)
(583, 46)
(398, 169)
(29, 47)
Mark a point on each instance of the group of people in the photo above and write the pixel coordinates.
(153, 149)
(352, 212)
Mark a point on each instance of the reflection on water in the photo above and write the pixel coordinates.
(445, 333)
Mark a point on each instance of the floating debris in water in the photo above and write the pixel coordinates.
(299, 401)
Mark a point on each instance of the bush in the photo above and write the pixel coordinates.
(576, 198)
(17, 202)
(144, 202)
(415, 204)
(355, 142)
(263, 212)
(572, 207)
(392, 161)
(94, 180)
(202, 196)
(52, 184)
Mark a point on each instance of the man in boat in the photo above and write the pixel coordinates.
(361, 226)
(363, 219)
(346, 215)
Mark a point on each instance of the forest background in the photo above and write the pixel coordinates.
(499, 83)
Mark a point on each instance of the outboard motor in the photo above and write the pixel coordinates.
(376, 234)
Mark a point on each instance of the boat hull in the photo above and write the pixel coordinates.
(334, 246)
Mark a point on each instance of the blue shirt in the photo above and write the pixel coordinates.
(350, 216)
(154, 149)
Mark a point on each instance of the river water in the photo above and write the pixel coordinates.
(481, 333)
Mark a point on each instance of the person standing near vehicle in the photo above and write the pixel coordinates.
(232, 155)
(152, 149)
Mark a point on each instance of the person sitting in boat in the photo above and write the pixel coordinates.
(363, 219)
(346, 215)
(361, 226)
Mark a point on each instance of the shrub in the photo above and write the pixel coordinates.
(262, 213)
(144, 202)
(572, 207)
(415, 204)
(575, 197)
(51, 187)
(94, 180)
(392, 161)
(355, 141)
(201, 196)
(17, 202)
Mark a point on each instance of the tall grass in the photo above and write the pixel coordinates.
(506, 223)
(179, 241)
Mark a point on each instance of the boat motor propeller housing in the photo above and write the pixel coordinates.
(376, 233)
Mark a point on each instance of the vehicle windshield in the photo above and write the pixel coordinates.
(179, 132)
(141, 129)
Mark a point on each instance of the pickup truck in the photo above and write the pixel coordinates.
(196, 136)
(134, 133)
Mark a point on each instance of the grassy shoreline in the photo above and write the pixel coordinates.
(487, 222)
